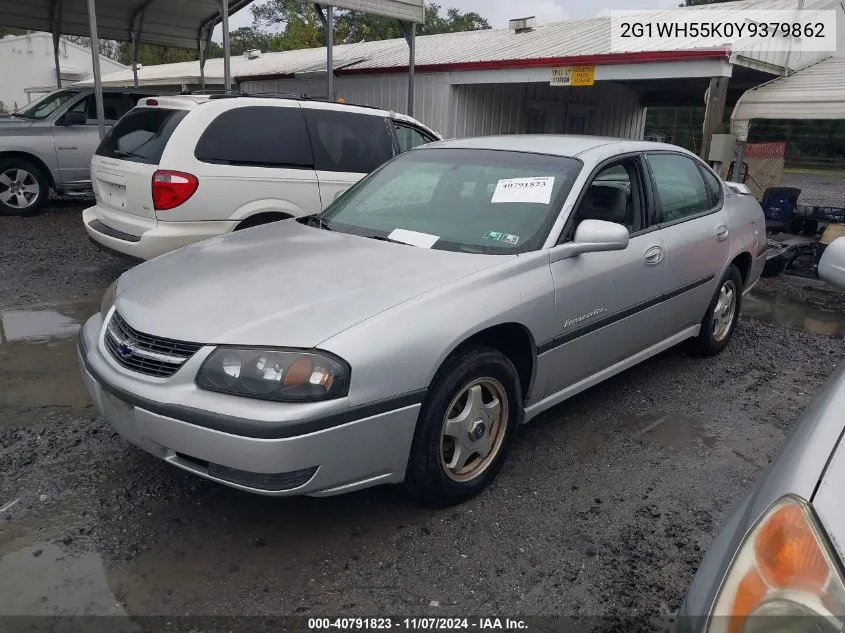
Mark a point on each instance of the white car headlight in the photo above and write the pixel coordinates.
(784, 568)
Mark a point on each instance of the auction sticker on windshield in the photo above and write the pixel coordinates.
(533, 190)
(414, 238)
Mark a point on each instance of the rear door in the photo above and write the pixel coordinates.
(124, 164)
(695, 231)
(348, 145)
(76, 144)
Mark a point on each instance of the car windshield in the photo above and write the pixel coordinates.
(48, 104)
(471, 200)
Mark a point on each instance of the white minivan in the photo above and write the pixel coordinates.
(180, 169)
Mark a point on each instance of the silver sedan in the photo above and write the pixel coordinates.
(777, 564)
(404, 333)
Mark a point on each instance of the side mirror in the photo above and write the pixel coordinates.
(832, 264)
(73, 118)
(593, 236)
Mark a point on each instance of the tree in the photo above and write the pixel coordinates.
(108, 48)
(300, 27)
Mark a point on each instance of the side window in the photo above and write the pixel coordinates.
(679, 186)
(714, 186)
(614, 195)
(409, 137)
(114, 107)
(257, 136)
(348, 141)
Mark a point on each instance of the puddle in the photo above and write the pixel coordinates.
(38, 364)
(35, 325)
(58, 583)
(670, 431)
(801, 315)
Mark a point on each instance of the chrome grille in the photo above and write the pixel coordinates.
(146, 354)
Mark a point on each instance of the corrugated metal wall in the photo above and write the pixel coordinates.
(607, 109)
(432, 93)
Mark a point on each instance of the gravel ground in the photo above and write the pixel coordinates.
(604, 508)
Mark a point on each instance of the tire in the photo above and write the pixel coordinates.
(24, 188)
(720, 322)
(466, 384)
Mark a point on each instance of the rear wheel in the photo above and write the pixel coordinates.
(23, 187)
(719, 323)
(465, 427)
(261, 218)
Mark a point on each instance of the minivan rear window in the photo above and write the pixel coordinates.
(141, 135)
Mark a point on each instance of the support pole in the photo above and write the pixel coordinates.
(136, 30)
(714, 114)
(412, 59)
(201, 53)
(227, 68)
(56, 28)
(740, 157)
(95, 59)
(330, 52)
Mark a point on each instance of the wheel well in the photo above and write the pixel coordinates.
(743, 263)
(262, 218)
(515, 342)
(35, 161)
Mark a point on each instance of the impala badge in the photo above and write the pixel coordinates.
(584, 317)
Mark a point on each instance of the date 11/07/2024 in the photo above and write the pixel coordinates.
(417, 624)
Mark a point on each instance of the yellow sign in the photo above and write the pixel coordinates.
(573, 76)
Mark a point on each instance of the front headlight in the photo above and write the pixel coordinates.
(280, 375)
(108, 299)
(783, 578)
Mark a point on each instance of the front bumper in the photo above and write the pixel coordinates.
(345, 456)
(156, 239)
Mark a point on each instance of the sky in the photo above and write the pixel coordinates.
(499, 12)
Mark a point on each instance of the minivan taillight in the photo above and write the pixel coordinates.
(172, 188)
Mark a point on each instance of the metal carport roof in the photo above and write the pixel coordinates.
(815, 92)
(165, 22)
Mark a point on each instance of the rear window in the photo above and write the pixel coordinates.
(141, 135)
(348, 142)
(257, 136)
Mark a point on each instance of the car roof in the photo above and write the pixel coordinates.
(553, 144)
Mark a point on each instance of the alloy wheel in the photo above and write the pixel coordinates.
(19, 188)
(473, 429)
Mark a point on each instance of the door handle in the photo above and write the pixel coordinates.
(653, 255)
(722, 233)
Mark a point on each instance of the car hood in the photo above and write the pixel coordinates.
(281, 284)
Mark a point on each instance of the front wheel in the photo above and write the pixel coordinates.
(465, 427)
(721, 318)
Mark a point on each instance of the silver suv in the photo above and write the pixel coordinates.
(49, 145)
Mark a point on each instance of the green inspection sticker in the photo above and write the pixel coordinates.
(501, 237)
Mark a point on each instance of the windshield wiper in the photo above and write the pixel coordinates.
(125, 154)
(320, 223)
(384, 238)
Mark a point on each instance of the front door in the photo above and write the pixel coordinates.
(695, 230)
(76, 144)
(607, 303)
